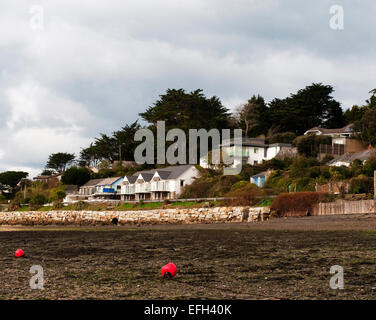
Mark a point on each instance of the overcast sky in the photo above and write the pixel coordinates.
(94, 65)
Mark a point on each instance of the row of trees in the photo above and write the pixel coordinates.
(280, 120)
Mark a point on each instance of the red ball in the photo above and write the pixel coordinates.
(170, 268)
(19, 253)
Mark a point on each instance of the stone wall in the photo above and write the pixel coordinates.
(158, 216)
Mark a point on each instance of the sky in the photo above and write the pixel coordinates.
(70, 70)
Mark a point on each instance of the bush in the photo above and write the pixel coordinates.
(38, 199)
(247, 195)
(370, 166)
(361, 185)
(57, 205)
(296, 204)
(238, 185)
(80, 205)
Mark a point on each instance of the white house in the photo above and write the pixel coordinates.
(107, 188)
(252, 151)
(158, 184)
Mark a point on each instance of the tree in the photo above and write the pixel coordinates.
(308, 145)
(366, 127)
(119, 146)
(354, 114)
(76, 176)
(9, 179)
(59, 161)
(252, 116)
(309, 107)
(183, 110)
(47, 172)
(124, 142)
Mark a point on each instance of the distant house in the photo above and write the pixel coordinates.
(342, 141)
(348, 158)
(260, 178)
(345, 132)
(158, 184)
(252, 151)
(48, 178)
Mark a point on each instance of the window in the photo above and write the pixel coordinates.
(256, 150)
(181, 183)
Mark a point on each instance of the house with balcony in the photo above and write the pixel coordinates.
(343, 141)
(158, 184)
(250, 151)
(107, 188)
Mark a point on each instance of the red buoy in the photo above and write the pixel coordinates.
(19, 253)
(169, 270)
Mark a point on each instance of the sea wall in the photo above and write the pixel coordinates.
(157, 216)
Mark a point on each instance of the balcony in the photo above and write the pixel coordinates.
(130, 189)
(104, 191)
(143, 188)
(160, 186)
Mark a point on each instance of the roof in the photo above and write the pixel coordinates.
(92, 183)
(350, 157)
(254, 142)
(146, 176)
(131, 179)
(163, 174)
(171, 172)
(47, 176)
(345, 129)
(289, 152)
(261, 174)
(108, 181)
(250, 142)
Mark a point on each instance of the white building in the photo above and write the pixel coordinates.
(252, 151)
(158, 184)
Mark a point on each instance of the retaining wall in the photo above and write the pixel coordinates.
(345, 207)
(158, 216)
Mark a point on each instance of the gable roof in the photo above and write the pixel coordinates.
(171, 172)
(164, 174)
(131, 179)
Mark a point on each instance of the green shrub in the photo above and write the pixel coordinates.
(80, 205)
(239, 185)
(38, 199)
(248, 195)
(57, 205)
(361, 185)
